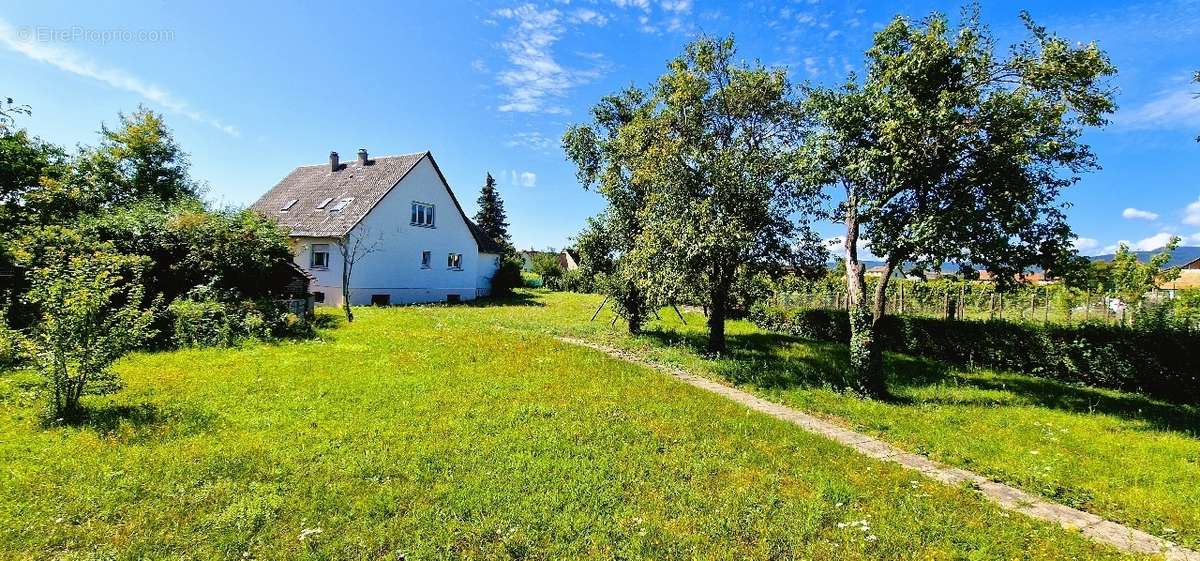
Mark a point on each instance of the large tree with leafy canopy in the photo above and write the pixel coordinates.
(721, 156)
(606, 153)
(491, 217)
(949, 151)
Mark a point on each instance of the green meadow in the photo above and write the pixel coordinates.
(470, 432)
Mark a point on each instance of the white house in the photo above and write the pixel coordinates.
(427, 248)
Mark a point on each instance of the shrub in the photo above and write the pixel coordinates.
(507, 277)
(576, 280)
(1158, 362)
(203, 319)
(13, 349)
(89, 318)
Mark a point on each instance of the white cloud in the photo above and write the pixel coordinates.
(643, 4)
(837, 248)
(80, 65)
(677, 6)
(585, 15)
(1174, 108)
(812, 67)
(1146, 244)
(522, 178)
(1086, 246)
(1191, 214)
(533, 140)
(536, 79)
(1137, 214)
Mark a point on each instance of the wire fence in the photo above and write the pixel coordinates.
(976, 300)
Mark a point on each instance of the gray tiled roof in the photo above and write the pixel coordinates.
(310, 185)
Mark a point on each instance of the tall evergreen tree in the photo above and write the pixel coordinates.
(491, 218)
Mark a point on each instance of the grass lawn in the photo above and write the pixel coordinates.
(461, 432)
(1119, 455)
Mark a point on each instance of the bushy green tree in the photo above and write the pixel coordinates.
(546, 265)
(606, 153)
(491, 217)
(90, 316)
(721, 160)
(1130, 279)
(948, 151)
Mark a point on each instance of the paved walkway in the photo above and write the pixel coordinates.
(1094, 527)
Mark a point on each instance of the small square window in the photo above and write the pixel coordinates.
(453, 298)
(319, 256)
(324, 203)
(454, 261)
(426, 259)
(381, 299)
(342, 204)
(318, 297)
(288, 205)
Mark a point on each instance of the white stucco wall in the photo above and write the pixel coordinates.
(395, 269)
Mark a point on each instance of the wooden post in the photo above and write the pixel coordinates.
(600, 308)
(902, 299)
(1046, 310)
(991, 306)
(962, 300)
(1087, 304)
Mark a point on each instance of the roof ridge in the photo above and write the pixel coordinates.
(372, 158)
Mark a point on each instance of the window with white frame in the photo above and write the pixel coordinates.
(426, 259)
(422, 214)
(342, 204)
(318, 257)
(454, 261)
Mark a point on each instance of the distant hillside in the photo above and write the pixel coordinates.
(1182, 255)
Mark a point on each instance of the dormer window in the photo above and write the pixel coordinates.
(342, 204)
(324, 203)
(422, 214)
(288, 205)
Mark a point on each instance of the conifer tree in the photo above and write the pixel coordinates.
(491, 218)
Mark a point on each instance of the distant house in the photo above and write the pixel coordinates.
(428, 250)
(527, 257)
(878, 270)
(568, 259)
(1189, 278)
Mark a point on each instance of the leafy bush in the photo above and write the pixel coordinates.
(1160, 362)
(13, 350)
(204, 319)
(90, 316)
(507, 277)
(576, 280)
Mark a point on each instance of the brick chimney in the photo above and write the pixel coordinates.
(362, 156)
(333, 161)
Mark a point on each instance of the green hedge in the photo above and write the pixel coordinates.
(1162, 363)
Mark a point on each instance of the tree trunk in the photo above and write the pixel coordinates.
(347, 264)
(719, 300)
(866, 358)
(634, 311)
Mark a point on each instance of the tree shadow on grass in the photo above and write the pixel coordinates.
(1053, 394)
(514, 299)
(777, 361)
(143, 421)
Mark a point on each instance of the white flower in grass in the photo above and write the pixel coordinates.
(307, 532)
(872, 538)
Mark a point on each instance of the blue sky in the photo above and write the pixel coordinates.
(255, 90)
